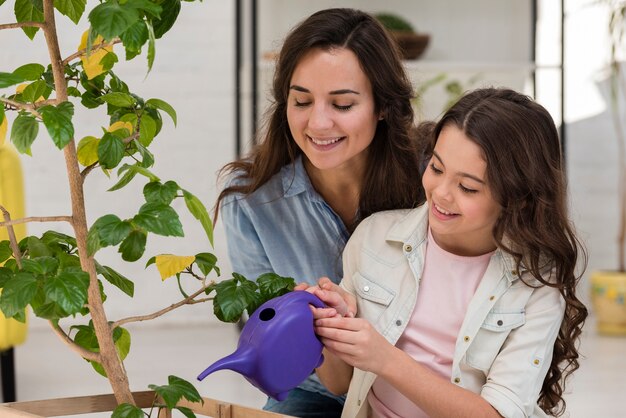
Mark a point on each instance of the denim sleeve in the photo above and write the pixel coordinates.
(245, 250)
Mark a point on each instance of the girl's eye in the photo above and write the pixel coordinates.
(466, 190)
(435, 169)
(302, 104)
(346, 107)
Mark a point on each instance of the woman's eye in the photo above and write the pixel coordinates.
(435, 169)
(340, 107)
(467, 190)
(302, 104)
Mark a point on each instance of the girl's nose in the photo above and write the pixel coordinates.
(320, 118)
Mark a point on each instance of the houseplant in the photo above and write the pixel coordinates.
(411, 43)
(56, 275)
(609, 287)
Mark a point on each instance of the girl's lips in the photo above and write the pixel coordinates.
(441, 214)
(325, 144)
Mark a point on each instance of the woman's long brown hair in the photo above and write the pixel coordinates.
(392, 179)
(525, 173)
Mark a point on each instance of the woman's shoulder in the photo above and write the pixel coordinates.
(270, 191)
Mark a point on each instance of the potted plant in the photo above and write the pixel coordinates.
(411, 43)
(608, 291)
(56, 275)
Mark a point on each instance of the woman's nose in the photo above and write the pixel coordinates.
(320, 118)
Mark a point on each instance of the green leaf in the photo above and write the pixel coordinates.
(35, 91)
(47, 265)
(199, 212)
(23, 132)
(111, 230)
(126, 178)
(176, 389)
(119, 99)
(147, 157)
(37, 248)
(146, 6)
(207, 262)
(10, 79)
(29, 72)
(151, 45)
(69, 290)
(117, 280)
(160, 193)
(93, 241)
(26, 11)
(111, 19)
(147, 130)
(135, 36)
(273, 285)
(186, 412)
(73, 9)
(58, 121)
(133, 246)
(17, 293)
(171, 9)
(160, 219)
(5, 251)
(127, 410)
(5, 275)
(86, 337)
(73, 91)
(162, 105)
(53, 237)
(108, 61)
(110, 150)
(233, 296)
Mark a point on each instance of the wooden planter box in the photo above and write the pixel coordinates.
(106, 403)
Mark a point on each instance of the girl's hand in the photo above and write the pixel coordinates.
(355, 341)
(334, 297)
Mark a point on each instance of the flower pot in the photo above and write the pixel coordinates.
(608, 292)
(107, 403)
(412, 45)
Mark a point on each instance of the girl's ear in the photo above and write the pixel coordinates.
(381, 116)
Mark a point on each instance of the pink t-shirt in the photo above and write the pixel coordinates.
(446, 288)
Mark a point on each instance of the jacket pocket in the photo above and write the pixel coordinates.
(490, 338)
(372, 298)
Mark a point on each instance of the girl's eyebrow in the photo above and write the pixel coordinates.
(334, 92)
(461, 173)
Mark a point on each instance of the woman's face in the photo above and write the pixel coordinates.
(330, 109)
(462, 210)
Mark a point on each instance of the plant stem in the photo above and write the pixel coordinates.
(109, 357)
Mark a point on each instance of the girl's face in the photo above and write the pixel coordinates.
(330, 109)
(462, 210)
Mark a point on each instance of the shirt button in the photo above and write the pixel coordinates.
(514, 272)
(466, 338)
(536, 362)
(492, 297)
(408, 248)
(366, 288)
(358, 402)
(398, 322)
(457, 380)
(500, 322)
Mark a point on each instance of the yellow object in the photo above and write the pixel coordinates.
(12, 332)
(91, 63)
(170, 264)
(608, 294)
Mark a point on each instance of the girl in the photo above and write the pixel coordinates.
(466, 306)
(336, 149)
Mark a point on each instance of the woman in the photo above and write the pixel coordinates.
(336, 149)
(465, 306)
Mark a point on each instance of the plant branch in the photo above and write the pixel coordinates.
(18, 25)
(21, 106)
(84, 353)
(186, 301)
(14, 247)
(36, 219)
(94, 48)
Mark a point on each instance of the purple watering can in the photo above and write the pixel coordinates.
(277, 347)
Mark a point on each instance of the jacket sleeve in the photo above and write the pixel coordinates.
(516, 376)
(245, 249)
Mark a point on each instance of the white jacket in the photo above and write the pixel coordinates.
(504, 347)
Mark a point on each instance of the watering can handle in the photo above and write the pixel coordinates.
(312, 299)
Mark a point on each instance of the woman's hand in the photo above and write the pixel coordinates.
(355, 341)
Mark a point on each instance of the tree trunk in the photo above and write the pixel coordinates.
(109, 357)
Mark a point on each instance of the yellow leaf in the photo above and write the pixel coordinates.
(91, 63)
(3, 130)
(121, 125)
(169, 264)
(87, 150)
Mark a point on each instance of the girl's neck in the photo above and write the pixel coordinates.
(339, 187)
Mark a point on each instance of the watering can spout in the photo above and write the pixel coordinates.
(239, 361)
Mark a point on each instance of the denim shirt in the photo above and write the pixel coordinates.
(504, 348)
(287, 228)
